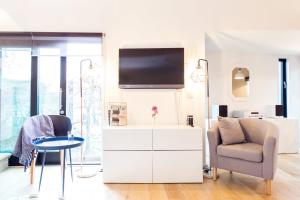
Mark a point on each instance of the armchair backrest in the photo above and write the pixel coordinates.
(61, 125)
(255, 130)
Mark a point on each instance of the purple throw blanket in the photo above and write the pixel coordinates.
(33, 127)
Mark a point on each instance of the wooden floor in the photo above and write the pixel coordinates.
(286, 186)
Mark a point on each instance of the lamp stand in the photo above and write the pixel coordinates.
(82, 173)
(206, 168)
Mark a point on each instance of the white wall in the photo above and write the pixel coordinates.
(154, 30)
(140, 102)
(294, 87)
(264, 82)
(149, 23)
(128, 24)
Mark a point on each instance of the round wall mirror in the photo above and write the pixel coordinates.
(240, 82)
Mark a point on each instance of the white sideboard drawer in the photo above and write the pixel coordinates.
(177, 167)
(127, 166)
(127, 139)
(177, 139)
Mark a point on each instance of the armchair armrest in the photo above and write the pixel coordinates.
(214, 139)
(270, 151)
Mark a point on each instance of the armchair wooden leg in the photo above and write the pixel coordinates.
(215, 173)
(268, 187)
(32, 167)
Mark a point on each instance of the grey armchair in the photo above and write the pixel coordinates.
(257, 157)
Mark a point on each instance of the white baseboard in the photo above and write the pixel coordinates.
(4, 161)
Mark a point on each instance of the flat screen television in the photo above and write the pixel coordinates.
(147, 68)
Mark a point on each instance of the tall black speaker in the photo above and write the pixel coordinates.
(219, 110)
(223, 111)
(279, 110)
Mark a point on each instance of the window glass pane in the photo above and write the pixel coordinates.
(15, 94)
(49, 84)
(15, 82)
(91, 108)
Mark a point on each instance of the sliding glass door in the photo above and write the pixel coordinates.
(91, 97)
(15, 65)
(49, 92)
(40, 73)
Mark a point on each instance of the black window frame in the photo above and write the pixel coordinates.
(283, 85)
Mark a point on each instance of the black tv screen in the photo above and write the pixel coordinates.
(151, 68)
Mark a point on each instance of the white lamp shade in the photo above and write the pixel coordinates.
(198, 75)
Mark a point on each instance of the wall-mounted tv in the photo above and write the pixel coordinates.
(147, 68)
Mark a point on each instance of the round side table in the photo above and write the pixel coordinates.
(57, 143)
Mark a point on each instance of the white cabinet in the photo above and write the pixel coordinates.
(177, 167)
(288, 134)
(146, 154)
(177, 139)
(127, 166)
(126, 138)
(177, 155)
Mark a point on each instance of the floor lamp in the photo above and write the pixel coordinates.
(82, 173)
(200, 74)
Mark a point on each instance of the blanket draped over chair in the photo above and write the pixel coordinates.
(34, 127)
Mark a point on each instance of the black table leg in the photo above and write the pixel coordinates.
(43, 164)
(64, 172)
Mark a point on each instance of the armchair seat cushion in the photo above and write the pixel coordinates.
(246, 151)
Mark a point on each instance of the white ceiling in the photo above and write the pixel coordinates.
(272, 42)
(174, 15)
(169, 20)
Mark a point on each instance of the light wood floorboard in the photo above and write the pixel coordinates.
(14, 185)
